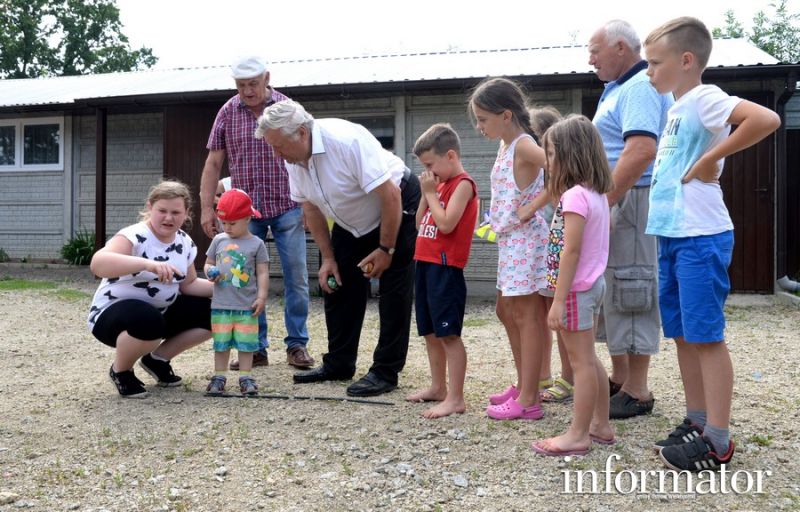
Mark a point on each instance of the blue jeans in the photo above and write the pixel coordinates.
(290, 240)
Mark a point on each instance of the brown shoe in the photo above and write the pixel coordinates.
(299, 357)
(259, 359)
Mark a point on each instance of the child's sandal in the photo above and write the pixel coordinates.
(560, 391)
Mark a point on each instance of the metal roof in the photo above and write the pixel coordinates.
(371, 69)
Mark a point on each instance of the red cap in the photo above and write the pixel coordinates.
(235, 204)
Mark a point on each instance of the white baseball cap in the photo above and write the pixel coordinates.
(248, 67)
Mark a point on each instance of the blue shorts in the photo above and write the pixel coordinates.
(441, 297)
(693, 284)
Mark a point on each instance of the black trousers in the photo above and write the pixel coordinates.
(345, 308)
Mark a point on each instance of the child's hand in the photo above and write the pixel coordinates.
(525, 212)
(163, 270)
(555, 317)
(258, 306)
(428, 182)
(703, 170)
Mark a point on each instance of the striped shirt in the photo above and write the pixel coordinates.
(252, 162)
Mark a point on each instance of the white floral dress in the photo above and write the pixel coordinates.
(521, 265)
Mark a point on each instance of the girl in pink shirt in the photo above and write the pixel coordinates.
(577, 257)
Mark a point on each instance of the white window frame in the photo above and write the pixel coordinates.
(19, 128)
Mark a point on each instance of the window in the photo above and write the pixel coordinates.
(381, 127)
(34, 144)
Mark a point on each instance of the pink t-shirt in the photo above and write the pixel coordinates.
(594, 250)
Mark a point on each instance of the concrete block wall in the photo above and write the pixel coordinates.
(32, 208)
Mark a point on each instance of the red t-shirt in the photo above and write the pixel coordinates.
(450, 249)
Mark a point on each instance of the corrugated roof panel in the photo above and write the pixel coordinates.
(387, 68)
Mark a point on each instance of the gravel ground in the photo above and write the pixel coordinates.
(68, 442)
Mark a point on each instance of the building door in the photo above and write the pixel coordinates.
(186, 130)
(748, 185)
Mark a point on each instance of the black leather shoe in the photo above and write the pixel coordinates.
(318, 374)
(370, 385)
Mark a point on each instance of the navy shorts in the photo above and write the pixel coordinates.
(145, 322)
(441, 296)
(693, 285)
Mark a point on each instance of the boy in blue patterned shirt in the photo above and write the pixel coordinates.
(695, 233)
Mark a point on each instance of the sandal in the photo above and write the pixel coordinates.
(545, 383)
(613, 387)
(560, 391)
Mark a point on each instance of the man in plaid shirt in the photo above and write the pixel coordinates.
(256, 169)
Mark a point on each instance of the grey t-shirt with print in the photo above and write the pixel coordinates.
(236, 259)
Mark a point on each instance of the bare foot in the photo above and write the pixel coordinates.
(427, 395)
(602, 432)
(563, 444)
(445, 409)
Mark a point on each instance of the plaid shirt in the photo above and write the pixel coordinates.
(252, 163)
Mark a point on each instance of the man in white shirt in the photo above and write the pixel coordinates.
(338, 170)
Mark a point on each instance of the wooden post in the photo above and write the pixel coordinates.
(100, 179)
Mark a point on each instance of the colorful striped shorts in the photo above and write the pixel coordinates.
(234, 329)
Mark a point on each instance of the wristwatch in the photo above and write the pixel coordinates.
(387, 250)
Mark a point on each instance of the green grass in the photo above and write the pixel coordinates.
(11, 284)
(761, 440)
(475, 322)
(68, 295)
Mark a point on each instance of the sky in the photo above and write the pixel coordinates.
(195, 33)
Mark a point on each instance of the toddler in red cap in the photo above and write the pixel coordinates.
(237, 264)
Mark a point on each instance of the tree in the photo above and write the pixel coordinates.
(778, 35)
(65, 37)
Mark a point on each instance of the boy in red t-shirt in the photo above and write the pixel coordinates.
(446, 217)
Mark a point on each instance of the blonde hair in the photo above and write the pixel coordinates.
(168, 189)
(685, 34)
(439, 138)
(580, 158)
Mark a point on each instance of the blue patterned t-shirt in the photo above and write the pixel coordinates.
(697, 122)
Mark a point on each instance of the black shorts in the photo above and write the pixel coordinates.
(441, 297)
(145, 322)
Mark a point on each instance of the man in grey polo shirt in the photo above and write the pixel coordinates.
(338, 170)
(630, 117)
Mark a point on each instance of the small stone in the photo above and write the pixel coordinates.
(8, 497)
(443, 450)
(456, 433)
(460, 481)
(481, 492)
(73, 506)
(221, 471)
(403, 468)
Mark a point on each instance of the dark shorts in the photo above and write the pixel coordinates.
(441, 296)
(145, 322)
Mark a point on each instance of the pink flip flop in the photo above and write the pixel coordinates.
(501, 398)
(512, 410)
(538, 448)
(600, 440)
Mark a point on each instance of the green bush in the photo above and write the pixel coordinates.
(3, 255)
(79, 250)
